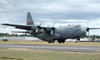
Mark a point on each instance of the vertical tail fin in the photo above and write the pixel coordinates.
(29, 19)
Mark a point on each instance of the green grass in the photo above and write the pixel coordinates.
(24, 54)
(56, 43)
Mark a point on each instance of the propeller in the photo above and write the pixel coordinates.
(40, 23)
(54, 24)
(49, 29)
(36, 28)
(39, 26)
(87, 29)
(53, 28)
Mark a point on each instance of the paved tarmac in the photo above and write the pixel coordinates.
(90, 49)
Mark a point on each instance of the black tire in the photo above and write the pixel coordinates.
(78, 39)
(53, 41)
(63, 41)
(59, 41)
(49, 41)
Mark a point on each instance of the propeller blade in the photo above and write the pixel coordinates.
(51, 32)
(53, 23)
(40, 23)
(48, 25)
(88, 33)
(36, 30)
(88, 24)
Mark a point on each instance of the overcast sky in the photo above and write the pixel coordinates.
(63, 12)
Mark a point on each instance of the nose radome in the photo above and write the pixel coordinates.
(83, 31)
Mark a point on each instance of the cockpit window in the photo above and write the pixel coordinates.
(78, 26)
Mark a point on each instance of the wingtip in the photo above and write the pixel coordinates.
(4, 24)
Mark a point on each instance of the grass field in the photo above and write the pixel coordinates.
(56, 43)
(24, 54)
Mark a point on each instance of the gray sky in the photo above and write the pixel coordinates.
(63, 12)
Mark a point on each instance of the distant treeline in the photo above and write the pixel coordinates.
(92, 36)
(96, 36)
(17, 35)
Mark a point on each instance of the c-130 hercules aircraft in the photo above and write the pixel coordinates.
(50, 34)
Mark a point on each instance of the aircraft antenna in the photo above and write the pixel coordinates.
(53, 23)
(40, 23)
(88, 24)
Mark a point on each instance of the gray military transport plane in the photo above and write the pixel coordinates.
(50, 34)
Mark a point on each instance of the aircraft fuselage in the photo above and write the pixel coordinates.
(63, 33)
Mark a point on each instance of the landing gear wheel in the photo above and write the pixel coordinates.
(78, 39)
(63, 41)
(49, 41)
(59, 41)
(53, 41)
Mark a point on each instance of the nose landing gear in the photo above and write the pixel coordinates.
(77, 40)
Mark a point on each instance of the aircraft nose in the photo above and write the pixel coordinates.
(83, 32)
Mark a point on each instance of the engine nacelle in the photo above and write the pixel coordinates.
(49, 29)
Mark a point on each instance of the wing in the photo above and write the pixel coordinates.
(87, 29)
(94, 28)
(25, 27)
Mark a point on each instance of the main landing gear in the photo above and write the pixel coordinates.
(51, 41)
(61, 41)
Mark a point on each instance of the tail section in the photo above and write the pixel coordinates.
(29, 19)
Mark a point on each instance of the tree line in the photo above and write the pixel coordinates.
(13, 34)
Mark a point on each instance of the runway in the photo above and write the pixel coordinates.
(95, 49)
